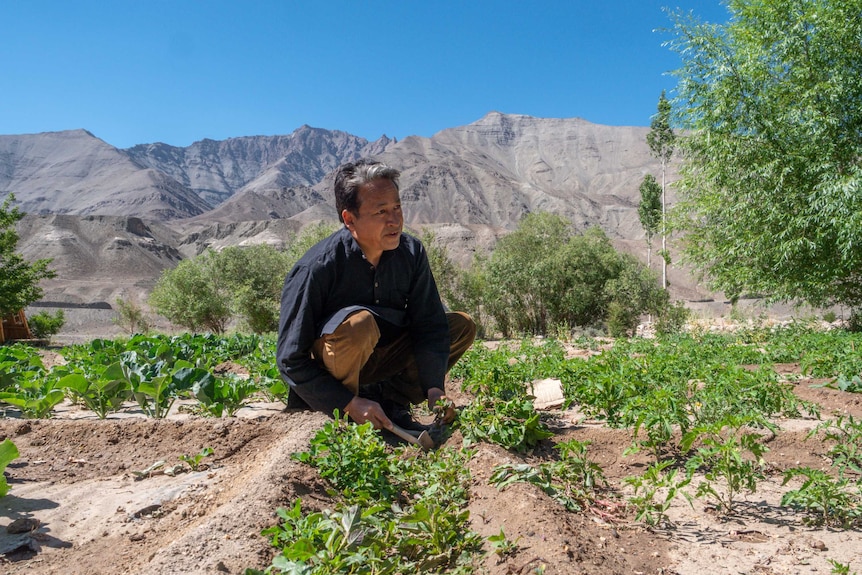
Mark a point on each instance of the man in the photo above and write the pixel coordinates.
(362, 327)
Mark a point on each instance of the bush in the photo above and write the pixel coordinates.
(672, 319)
(241, 283)
(131, 317)
(542, 277)
(44, 325)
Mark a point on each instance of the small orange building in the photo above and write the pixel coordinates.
(14, 327)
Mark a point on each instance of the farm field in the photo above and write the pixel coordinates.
(131, 493)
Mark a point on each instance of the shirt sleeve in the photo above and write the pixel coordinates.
(429, 327)
(301, 302)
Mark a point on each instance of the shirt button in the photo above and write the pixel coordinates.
(377, 301)
(376, 284)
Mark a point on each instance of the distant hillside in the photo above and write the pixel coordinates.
(129, 214)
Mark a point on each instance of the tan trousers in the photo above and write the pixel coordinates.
(351, 356)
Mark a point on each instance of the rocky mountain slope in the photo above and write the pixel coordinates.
(113, 219)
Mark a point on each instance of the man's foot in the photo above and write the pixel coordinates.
(294, 401)
(401, 416)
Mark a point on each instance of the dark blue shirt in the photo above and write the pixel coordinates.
(334, 279)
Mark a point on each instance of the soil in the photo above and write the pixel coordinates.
(82, 494)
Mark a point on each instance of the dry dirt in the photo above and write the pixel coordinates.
(76, 484)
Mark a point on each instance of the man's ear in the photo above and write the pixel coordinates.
(347, 217)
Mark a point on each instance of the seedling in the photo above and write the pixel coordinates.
(194, 461)
(502, 545)
(149, 471)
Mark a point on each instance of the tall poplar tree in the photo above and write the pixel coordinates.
(649, 211)
(661, 143)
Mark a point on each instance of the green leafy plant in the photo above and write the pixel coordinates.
(502, 545)
(401, 512)
(8, 452)
(839, 568)
(827, 498)
(102, 393)
(722, 457)
(846, 452)
(44, 324)
(514, 424)
(222, 395)
(194, 461)
(353, 458)
(655, 490)
(36, 398)
(571, 481)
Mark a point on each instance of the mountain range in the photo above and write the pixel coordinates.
(113, 219)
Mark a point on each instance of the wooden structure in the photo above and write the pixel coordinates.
(14, 327)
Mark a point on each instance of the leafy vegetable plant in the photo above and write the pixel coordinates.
(8, 452)
(655, 490)
(571, 481)
(722, 457)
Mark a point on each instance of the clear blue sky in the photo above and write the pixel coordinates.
(143, 71)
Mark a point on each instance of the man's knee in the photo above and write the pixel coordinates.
(358, 330)
(462, 329)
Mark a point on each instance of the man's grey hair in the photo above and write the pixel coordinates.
(351, 176)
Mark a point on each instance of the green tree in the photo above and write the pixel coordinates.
(518, 293)
(309, 236)
(254, 277)
(649, 211)
(19, 279)
(193, 295)
(632, 292)
(460, 289)
(661, 140)
(237, 283)
(771, 185)
(543, 277)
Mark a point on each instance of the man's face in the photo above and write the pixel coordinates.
(378, 224)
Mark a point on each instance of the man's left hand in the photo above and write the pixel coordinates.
(437, 400)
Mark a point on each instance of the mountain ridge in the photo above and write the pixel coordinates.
(471, 183)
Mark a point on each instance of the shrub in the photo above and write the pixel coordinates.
(44, 325)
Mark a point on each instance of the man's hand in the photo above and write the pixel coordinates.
(437, 401)
(361, 410)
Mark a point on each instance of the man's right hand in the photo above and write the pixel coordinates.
(362, 410)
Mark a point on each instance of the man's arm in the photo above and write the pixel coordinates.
(301, 304)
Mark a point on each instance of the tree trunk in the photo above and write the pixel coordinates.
(663, 228)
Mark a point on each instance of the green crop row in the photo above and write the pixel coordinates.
(153, 371)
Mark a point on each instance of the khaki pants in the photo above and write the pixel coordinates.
(351, 356)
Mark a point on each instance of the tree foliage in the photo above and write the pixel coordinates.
(543, 277)
(236, 283)
(19, 279)
(661, 140)
(193, 295)
(771, 188)
(649, 211)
